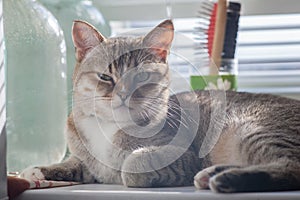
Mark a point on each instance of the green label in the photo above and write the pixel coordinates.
(220, 82)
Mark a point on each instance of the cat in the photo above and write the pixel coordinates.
(126, 128)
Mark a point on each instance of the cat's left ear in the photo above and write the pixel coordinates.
(85, 37)
(159, 40)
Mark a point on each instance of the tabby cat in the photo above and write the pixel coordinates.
(126, 128)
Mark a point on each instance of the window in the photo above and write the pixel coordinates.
(268, 53)
(268, 45)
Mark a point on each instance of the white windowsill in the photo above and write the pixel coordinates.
(115, 192)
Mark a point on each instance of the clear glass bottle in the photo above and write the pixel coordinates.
(36, 85)
(66, 11)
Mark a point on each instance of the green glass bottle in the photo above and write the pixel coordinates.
(66, 11)
(36, 85)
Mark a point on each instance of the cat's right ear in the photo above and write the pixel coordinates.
(85, 37)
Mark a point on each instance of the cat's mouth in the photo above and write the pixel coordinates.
(123, 106)
(126, 113)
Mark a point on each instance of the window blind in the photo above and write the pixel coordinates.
(269, 54)
(268, 50)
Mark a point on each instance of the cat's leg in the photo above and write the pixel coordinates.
(143, 169)
(271, 177)
(201, 180)
(71, 169)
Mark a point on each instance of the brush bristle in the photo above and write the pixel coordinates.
(211, 29)
(204, 30)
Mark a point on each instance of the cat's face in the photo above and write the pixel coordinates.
(122, 79)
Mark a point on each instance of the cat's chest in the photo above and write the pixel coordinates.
(104, 159)
(97, 136)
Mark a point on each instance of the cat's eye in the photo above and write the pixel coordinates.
(104, 77)
(142, 76)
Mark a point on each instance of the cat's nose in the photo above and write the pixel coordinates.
(123, 95)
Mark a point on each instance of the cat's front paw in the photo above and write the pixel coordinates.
(32, 174)
(137, 172)
(159, 167)
(53, 172)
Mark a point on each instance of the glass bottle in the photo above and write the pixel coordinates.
(36, 85)
(3, 179)
(66, 11)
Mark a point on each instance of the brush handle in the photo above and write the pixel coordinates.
(219, 36)
(233, 15)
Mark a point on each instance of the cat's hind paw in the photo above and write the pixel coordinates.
(224, 183)
(203, 178)
(33, 174)
(242, 180)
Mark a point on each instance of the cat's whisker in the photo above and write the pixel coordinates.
(174, 110)
(174, 113)
(82, 102)
(145, 115)
(182, 123)
(154, 112)
(172, 125)
(162, 103)
(91, 98)
(151, 108)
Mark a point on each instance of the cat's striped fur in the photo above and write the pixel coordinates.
(258, 148)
